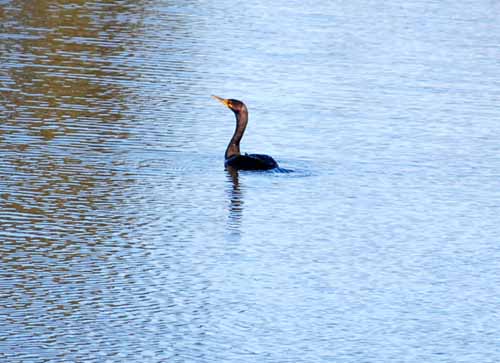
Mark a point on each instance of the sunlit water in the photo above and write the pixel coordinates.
(123, 239)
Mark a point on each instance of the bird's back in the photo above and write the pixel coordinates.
(252, 162)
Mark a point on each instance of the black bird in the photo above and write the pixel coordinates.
(233, 157)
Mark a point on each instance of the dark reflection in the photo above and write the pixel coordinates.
(235, 195)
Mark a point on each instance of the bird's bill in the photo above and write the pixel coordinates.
(221, 100)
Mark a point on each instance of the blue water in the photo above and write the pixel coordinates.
(123, 239)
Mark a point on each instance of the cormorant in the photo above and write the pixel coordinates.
(233, 157)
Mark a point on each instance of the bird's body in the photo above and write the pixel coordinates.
(233, 157)
(251, 162)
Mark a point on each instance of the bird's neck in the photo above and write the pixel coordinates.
(233, 148)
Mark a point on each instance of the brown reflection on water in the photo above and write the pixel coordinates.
(62, 178)
(58, 62)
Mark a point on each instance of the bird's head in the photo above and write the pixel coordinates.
(234, 105)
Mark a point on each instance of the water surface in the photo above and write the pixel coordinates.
(123, 239)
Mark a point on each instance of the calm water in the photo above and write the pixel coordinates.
(123, 239)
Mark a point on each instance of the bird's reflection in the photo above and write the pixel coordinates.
(235, 202)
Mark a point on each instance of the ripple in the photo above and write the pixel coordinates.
(124, 239)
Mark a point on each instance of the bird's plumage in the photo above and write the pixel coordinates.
(233, 157)
(251, 162)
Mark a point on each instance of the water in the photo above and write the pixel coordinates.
(123, 239)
